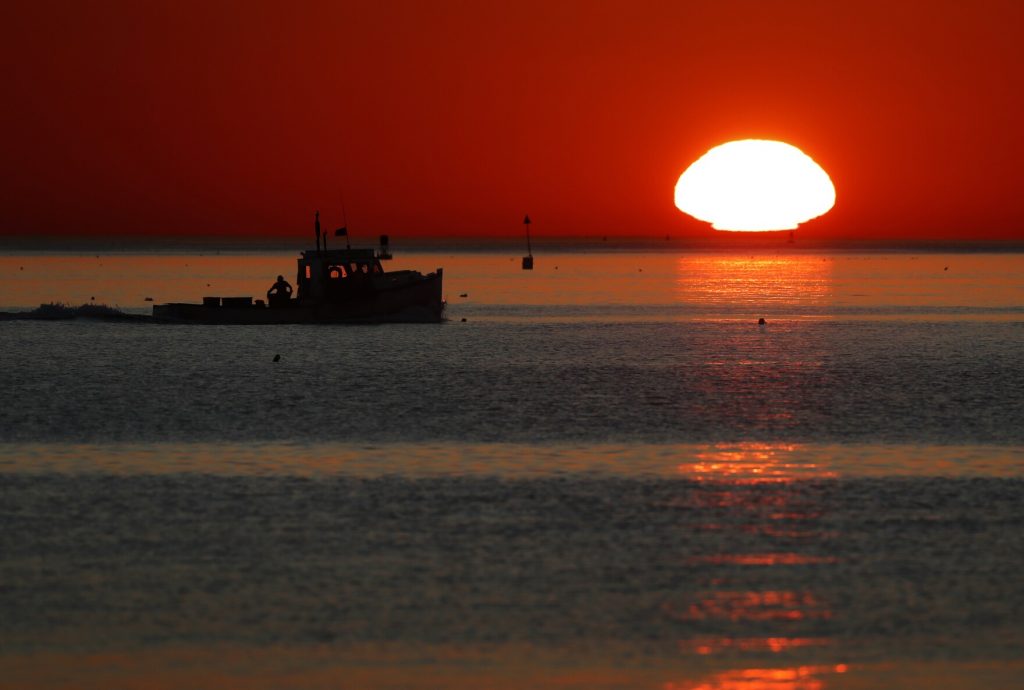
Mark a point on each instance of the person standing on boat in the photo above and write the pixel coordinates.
(280, 292)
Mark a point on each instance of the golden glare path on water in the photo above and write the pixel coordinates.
(741, 284)
(723, 463)
(507, 667)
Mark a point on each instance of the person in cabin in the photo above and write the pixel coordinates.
(280, 292)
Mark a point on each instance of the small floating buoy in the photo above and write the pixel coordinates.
(148, 299)
(92, 299)
(21, 268)
(464, 294)
(463, 319)
(761, 322)
(946, 268)
(277, 358)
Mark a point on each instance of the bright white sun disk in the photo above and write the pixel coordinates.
(755, 185)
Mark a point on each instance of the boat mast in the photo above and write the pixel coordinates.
(344, 222)
(316, 227)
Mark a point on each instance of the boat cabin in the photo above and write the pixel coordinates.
(332, 274)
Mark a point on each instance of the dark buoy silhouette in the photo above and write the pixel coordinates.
(463, 320)
(277, 358)
(761, 321)
(464, 294)
(148, 299)
(528, 259)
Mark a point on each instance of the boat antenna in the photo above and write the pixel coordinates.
(316, 227)
(528, 259)
(343, 230)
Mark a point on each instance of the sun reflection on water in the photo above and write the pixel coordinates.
(753, 463)
(770, 605)
(774, 558)
(794, 678)
(754, 498)
(760, 282)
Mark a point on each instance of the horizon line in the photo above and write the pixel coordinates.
(117, 243)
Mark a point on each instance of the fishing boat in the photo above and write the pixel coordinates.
(333, 286)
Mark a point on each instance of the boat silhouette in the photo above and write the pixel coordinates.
(333, 286)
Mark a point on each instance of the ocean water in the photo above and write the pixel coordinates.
(599, 474)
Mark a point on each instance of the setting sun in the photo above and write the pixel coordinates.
(755, 185)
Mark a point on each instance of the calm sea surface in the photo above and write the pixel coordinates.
(599, 474)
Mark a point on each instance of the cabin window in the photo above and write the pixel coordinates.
(336, 272)
(309, 273)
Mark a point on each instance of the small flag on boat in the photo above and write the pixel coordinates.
(341, 231)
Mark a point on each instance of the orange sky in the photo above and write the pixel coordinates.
(456, 118)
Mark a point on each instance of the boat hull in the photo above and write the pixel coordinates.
(413, 301)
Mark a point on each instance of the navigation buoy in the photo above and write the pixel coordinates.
(528, 259)
(277, 358)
